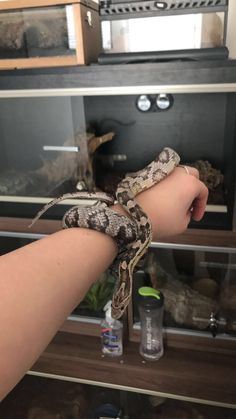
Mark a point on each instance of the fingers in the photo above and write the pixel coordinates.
(193, 171)
(199, 203)
(190, 170)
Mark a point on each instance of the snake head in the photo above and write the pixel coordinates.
(117, 312)
(121, 298)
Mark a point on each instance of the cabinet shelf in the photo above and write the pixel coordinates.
(207, 378)
(197, 75)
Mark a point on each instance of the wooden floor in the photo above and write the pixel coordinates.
(180, 374)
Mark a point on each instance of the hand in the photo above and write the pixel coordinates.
(174, 201)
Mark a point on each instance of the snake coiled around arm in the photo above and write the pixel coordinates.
(133, 233)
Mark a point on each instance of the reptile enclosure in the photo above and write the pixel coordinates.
(48, 33)
(189, 106)
(42, 152)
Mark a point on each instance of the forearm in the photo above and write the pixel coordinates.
(40, 285)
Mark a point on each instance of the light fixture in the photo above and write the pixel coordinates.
(144, 103)
(164, 101)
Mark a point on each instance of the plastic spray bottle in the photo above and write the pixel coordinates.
(111, 334)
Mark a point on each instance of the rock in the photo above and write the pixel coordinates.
(206, 286)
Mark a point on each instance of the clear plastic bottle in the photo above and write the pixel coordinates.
(111, 334)
(151, 307)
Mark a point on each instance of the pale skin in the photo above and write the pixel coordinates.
(41, 283)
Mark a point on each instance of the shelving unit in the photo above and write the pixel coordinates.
(180, 374)
(198, 376)
(185, 77)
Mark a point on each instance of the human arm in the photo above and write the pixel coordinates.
(41, 283)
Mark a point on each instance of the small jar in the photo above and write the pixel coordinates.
(151, 307)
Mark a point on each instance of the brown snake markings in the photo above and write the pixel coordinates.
(127, 189)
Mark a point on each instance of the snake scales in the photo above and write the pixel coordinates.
(133, 234)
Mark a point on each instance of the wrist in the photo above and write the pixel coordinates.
(144, 202)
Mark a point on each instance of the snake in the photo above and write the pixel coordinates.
(133, 184)
(128, 188)
(97, 196)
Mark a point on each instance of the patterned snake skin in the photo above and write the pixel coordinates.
(128, 188)
(134, 235)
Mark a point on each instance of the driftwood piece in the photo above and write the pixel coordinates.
(73, 166)
(77, 167)
(88, 144)
(187, 307)
(62, 167)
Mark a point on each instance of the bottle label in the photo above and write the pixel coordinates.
(109, 339)
(149, 333)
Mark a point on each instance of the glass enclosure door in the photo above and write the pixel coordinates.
(199, 288)
(51, 145)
